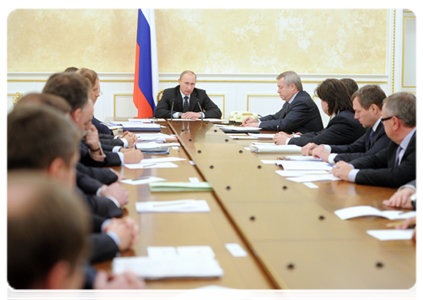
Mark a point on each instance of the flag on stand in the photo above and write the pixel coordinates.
(146, 81)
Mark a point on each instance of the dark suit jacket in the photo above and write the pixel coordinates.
(112, 159)
(104, 175)
(101, 128)
(198, 96)
(302, 116)
(379, 169)
(362, 146)
(342, 129)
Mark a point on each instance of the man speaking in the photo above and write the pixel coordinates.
(186, 102)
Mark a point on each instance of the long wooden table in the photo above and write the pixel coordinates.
(293, 238)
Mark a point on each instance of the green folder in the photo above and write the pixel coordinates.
(180, 187)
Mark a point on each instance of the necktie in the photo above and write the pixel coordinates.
(286, 109)
(371, 135)
(397, 160)
(185, 108)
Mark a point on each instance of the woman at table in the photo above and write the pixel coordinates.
(342, 127)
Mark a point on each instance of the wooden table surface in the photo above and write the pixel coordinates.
(293, 238)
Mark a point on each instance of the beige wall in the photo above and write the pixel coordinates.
(206, 41)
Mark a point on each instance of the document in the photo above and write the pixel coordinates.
(158, 165)
(180, 266)
(272, 148)
(310, 178)
(165, 252)
(236, 250)
(189, 205)
(180, 187)
(302, 158)
(147, 120)
(214, 292)
(304, 165)
(154, 145)
(391, 234)
(299, 173)
(142, 180)
(263, 136)
(242, 137)
(361, 211)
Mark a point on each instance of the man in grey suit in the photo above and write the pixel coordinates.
(367, 104)
(396, 164)
(299, 112)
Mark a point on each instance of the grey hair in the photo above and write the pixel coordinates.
(402, 105)
(291, 78)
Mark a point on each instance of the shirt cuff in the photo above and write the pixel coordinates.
(116, 149)
(407, 186)
(125, 142)
(121, 158)
(113, 200)
(331, 158)
(328, 148)
(352, 174)
(287, 141)
(114, 237)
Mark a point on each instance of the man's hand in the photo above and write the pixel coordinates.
(401, 198)
(321, 152)
(130, 137)
(281, 137)
(341, 170)
(249, 122)
(306, 150)
(131, 156)
(116, 191)
(127, 280)
(91, 138)
(191, 115)
(126, 230)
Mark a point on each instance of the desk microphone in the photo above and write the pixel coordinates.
(171, 109)
(201, 110)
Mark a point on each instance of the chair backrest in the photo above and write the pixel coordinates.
(159, 95)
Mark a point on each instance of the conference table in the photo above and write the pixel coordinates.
(289, 231)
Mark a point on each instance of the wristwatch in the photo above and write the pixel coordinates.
(99, 146)
(413, 197)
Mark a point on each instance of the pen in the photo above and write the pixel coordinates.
(149, 165)
(393, 224)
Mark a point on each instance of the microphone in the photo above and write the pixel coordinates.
(201, 110)
(171, 109)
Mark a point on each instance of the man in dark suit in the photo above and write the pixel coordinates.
(299, 112)
(185, 101)
(396, 164)
(367, 104)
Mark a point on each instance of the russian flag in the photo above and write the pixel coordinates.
(146, 81)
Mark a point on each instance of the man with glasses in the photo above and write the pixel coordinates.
(396, 164)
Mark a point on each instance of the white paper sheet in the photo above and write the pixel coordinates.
(188, 205)
(272, 148)
(304, 165)
(163, 165)
(391, 234)
(311, 178)
(213, 292)
(303, 158)
(364, 210)
(299, 173)
(142, 180)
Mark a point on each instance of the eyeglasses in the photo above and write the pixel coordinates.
(388, 118)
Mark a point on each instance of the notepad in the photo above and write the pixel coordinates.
(363, 210)
(181, 266)
(180, 206)
(180, 187)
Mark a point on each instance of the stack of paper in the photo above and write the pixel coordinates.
(142, 180)
(272, 148)
(233, 129)
(263, 136)
(137, 126)
(172, 267)
(391, 234)
(180, 187)
(188, 205)
(156, 137)
(155, 163)
(361, 211)
(309, 178)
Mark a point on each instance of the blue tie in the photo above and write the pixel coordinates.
(371, 135)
